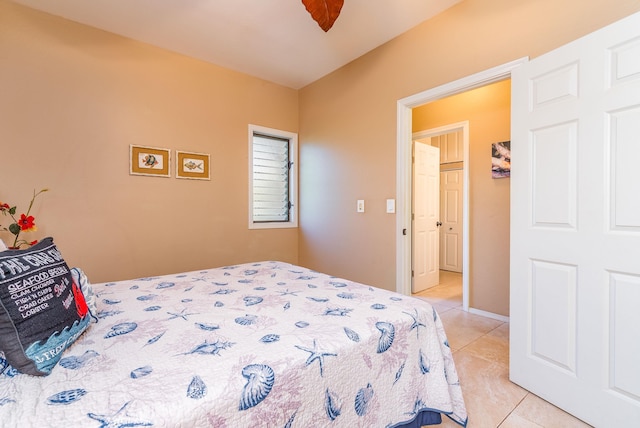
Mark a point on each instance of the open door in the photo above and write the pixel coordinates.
(575, 226)
(426, 217)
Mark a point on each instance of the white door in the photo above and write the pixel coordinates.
(575, 226)
(426, 214)
(451, 217)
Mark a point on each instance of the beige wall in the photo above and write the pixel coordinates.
(488, 110)
(348, 118)
(72, 100)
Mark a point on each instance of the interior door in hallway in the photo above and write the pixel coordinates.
(426, 217)
(575, 226)
(451, 217)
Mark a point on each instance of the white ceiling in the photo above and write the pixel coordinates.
(276, 40)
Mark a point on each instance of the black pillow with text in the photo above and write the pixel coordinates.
(42, 311)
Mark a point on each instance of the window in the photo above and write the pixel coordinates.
(273, 178)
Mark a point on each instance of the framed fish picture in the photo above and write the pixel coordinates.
(191, 165)
(149, 161)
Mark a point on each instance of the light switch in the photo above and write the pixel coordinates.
(391, 206)
(360, 206)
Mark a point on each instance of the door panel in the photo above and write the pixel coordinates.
(451, 215)
(426, 202)
(575, 226)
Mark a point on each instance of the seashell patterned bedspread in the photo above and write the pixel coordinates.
(255, 345)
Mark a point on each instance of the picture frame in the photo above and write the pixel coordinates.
(150, 161)
(193, 166)
(501, 159)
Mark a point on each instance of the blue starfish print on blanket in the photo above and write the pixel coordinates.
(288, 293)
(179, 315)
(416, 323)
(119, 419)
(316, 354)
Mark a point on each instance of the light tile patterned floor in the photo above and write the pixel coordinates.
(481, 351)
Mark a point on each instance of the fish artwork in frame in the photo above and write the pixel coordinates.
(190, 165)
(151, 161)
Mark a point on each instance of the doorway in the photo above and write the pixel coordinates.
(404, 172)
(452, 140)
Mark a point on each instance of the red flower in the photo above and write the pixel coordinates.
(4, 207)
(27, 223)
(33, 242)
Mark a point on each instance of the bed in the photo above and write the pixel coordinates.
(265, 344)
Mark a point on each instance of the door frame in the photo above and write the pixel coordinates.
(445, 129)
(404, 143)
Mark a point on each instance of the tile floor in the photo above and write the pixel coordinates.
(481, 351)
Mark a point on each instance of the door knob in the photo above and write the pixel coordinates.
(438, 223)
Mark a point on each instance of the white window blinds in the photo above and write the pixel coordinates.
(271, 166)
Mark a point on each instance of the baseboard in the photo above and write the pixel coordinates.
(488, 315)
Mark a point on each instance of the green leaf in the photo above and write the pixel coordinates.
(14, 228)
(12, 210)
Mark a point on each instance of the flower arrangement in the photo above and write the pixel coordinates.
(24, 223)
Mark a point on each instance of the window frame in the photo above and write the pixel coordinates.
(293, 177)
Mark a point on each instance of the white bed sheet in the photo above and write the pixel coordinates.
(264, 344)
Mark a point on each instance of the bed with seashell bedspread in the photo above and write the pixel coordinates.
(256, 345)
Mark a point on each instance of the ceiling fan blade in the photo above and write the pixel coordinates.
(324, 12)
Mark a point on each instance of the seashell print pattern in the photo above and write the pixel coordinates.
(66, 397)
(424, 363)
(270, 338)
(289, 423)
(73, 362)
(207, 327)
(246, 320)
(363, 397)
(221, 354)
(197, 389)
(331, 405)
(120, 329)
(207, 348)
(225, 291)
(399, 373)
(165, 285)
(352, 334)
(155, 339)
(252, 300)
(346, 295)
(141, 372)
(260, 379)
(106, 314)
(337, 312)
(387, 334)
